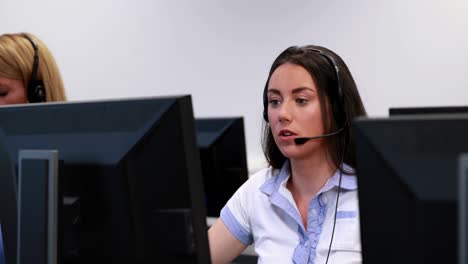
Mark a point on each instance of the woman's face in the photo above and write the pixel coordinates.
(12, 91)
(294, 111)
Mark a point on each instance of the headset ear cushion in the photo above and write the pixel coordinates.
(37, 93)
(40, 92)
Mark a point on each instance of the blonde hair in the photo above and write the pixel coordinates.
(16, 62)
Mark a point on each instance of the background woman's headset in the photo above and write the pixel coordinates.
(35, 90)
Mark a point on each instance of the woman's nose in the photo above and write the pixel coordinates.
(284, 113)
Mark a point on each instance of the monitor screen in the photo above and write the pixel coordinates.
(407, 174)
(221, 142)
(129, 177)
(428, 110)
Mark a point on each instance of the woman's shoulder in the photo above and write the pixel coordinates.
(261, 176)
(257, 180)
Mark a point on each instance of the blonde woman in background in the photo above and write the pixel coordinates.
(28, 71)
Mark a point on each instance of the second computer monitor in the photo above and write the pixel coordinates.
(394, 111)
(221, 142)
(407, 174)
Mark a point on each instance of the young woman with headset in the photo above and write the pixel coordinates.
(303, 208)
(28, 71)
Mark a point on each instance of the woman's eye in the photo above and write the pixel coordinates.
(3, 94)
(301, 100)
(274, 102)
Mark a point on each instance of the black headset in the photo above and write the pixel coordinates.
(35, 90)
(338, 109)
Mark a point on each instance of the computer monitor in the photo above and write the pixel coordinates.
(407, 175)
(7, 209)
(428, 110)
(131, 170)
(2, 254)
(221, 142)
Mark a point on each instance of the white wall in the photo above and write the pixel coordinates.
(401, 52)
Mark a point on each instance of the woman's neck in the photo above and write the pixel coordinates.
(309, 175)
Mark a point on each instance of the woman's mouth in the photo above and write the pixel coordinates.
(287, 135)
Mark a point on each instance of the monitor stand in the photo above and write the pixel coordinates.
(37, 206)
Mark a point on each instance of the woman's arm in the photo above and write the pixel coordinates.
(224, 246)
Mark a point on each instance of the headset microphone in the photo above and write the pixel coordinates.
(302, 140)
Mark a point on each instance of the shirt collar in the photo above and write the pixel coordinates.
(272, 185)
